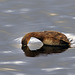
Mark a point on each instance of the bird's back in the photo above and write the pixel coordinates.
(56, 35)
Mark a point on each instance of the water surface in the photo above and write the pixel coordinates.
(18, 17)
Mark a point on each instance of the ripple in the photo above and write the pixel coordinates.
(6, 52)
(20, 74)
(68, 58)
(73, 57)
(8, 25)
(7, 69)
(16, 45)
(73, 17)
(17, 11)
(71, 74)
(53, 14)
(13, 62)
(51, 26)
(53, 69)
(23, 10)
(9, 11)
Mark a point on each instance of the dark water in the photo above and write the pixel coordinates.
(17, 17)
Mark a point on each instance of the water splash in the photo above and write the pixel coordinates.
(71, 36)
(18, 39)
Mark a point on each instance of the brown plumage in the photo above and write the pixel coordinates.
(52, 38)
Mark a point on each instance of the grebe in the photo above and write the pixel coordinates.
(52, 38)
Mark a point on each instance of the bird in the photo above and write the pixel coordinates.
(50, 38)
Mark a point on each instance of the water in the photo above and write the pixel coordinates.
(18, 17)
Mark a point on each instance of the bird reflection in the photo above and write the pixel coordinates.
(44, 50)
